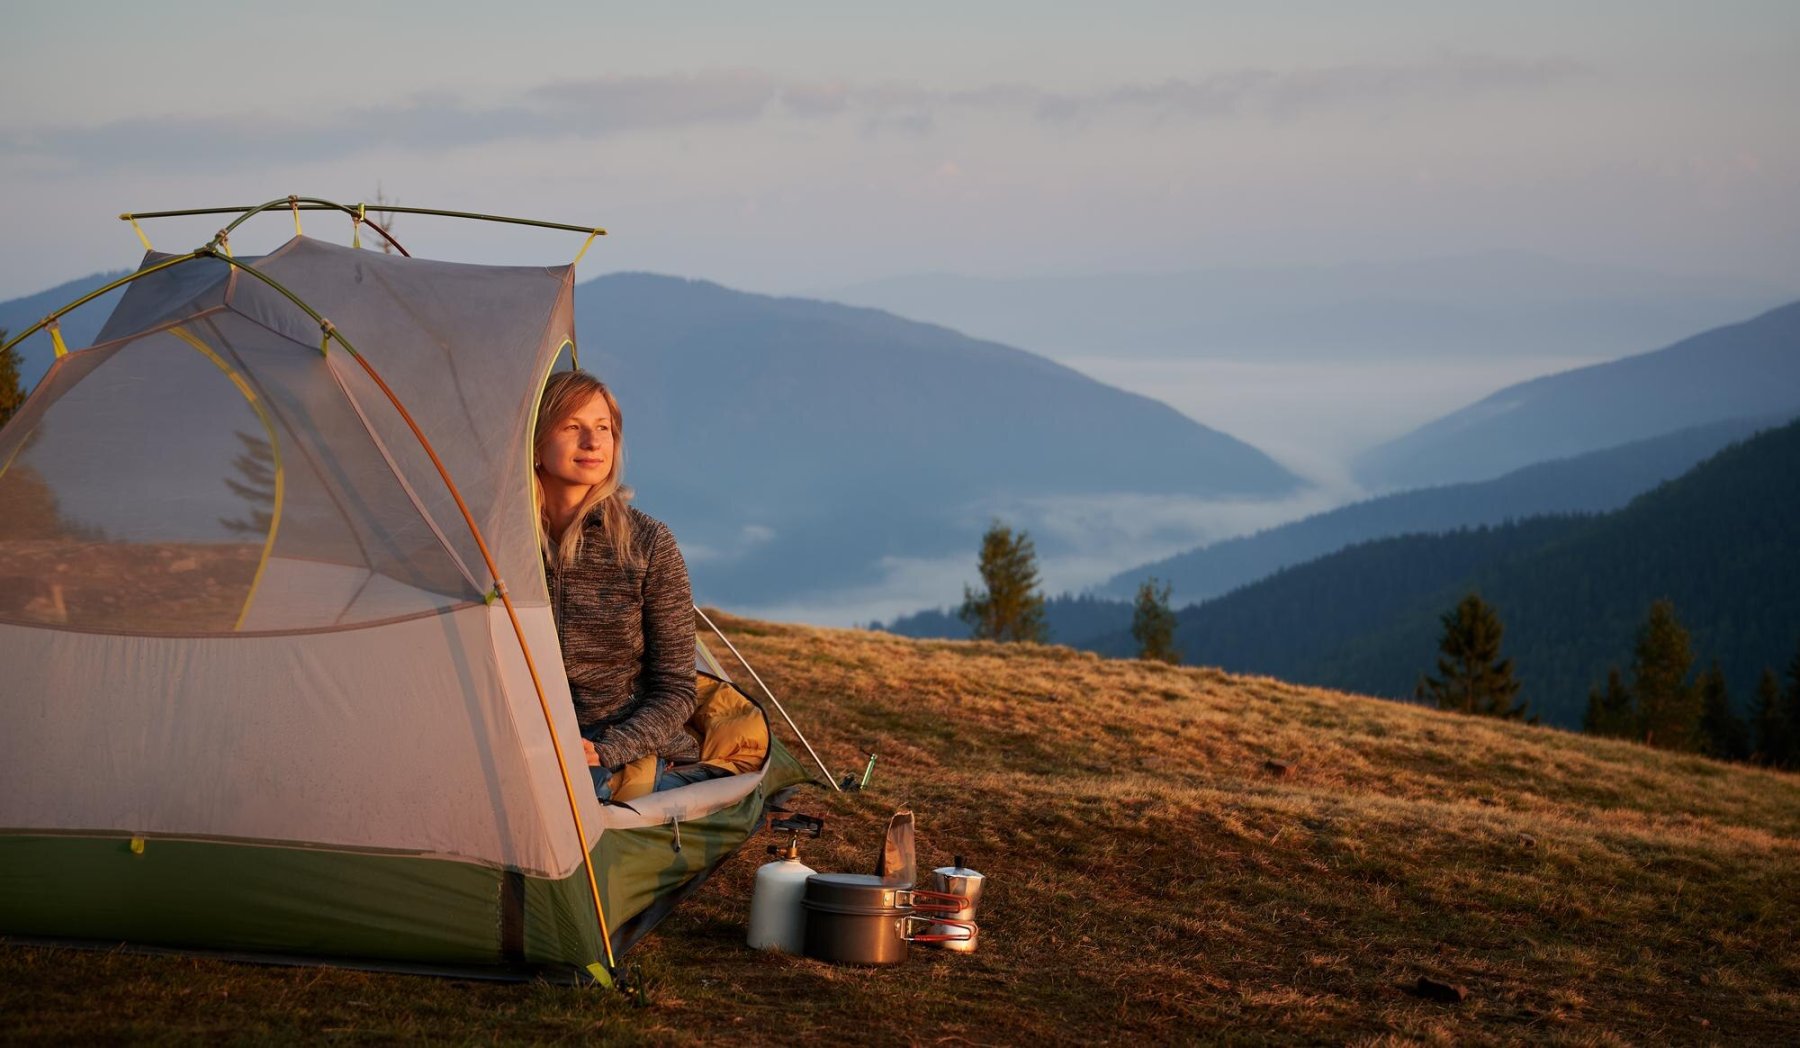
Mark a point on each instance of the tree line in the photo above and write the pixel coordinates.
(1665, 704)
(1010, 607)
(12, 386)
(1660, 703)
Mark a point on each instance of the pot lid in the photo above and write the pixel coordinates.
(855, 889)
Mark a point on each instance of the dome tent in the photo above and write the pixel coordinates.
(266, 693)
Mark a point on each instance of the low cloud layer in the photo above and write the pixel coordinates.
(597, 108)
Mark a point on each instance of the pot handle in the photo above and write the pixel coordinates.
(947, 903)
(966, 927)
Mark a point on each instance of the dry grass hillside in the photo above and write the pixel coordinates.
(1153, 877)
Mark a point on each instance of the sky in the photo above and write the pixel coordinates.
(789, 147)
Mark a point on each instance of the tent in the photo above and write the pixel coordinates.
(280, 674)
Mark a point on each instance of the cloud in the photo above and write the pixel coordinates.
(915, 125)
(1272, 93)
(616, 104)
(426, 122)
(815, 100)
(595, 108)
(746, 542)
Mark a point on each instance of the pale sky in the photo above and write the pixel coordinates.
(795, 146)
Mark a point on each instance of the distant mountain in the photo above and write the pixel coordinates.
(1742, 370)
(1500, 302)
(1595, 482)
(800, 445)
(1072, 620)
(79, 328)
(1722, 542)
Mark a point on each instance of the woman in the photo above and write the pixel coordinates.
(618, 589)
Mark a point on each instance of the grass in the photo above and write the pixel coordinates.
(1150, 879)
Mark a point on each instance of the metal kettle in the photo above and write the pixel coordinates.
(957, 880)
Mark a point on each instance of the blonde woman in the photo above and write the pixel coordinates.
(618, 589)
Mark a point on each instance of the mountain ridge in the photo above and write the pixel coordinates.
(1593, 482)
(1720, 541)
(1494, 302)
(1750, 368)
(802, 447)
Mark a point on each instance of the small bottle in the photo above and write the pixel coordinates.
(777, 922)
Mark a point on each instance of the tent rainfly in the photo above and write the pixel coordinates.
(265, 691)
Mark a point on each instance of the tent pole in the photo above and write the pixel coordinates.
(262, 415)
(772, 698)
(97, 292)
(303, 204)
(317, 204)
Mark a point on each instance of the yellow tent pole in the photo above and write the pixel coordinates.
(262, 415)
(51, 320)
(589, 242)
(139, 230)
(519, 630)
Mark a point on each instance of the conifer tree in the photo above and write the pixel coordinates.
(1790, 714)
(1153, 623)
(12, 384)
(255, 464)
(1009, 607)
(1609, 712)
(1472, 677)
(1768, 721)
(1723, 733)
(1668, 707)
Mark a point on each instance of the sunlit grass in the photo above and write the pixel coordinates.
(1151, 879)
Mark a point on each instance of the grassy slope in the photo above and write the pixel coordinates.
(1149, 879)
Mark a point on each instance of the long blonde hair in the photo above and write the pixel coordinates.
(564, 394)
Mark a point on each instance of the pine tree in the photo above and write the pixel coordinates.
(1009, 608)
(1668, 707)
(1472, 677)
(1723, 733)
(255, 463)
(1768, 721)
(28, 506)
(1790, 714)
(1153, 623)
(1609, 712)
(12, 384)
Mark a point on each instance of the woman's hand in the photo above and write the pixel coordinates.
(593, 755)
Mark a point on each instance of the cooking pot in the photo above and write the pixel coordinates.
(857, 918)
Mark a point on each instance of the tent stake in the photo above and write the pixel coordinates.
(759, 682)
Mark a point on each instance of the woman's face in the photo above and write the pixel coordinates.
(579, 450)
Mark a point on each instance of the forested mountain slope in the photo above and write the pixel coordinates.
(1591, 483)
(1722, 542)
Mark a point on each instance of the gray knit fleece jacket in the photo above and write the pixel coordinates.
(627, 635)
